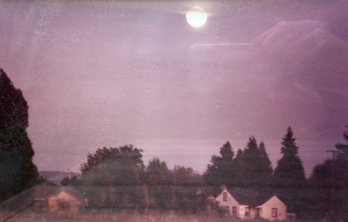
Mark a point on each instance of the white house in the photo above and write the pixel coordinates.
(248, 204)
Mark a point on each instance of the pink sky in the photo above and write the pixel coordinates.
(109, 73)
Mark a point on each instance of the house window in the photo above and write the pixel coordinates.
(258, 212)
(227, 210)
(63, 205)
(247, 211)
(234, 211)
(274, 212)
(224, 196)
(40, 205)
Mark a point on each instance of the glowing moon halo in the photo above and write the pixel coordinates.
(196, 17)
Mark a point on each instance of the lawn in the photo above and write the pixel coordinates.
(99, 216)
(109, 216)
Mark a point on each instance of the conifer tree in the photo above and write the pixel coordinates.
(266, 170)
(254, 166)
(289, 172)
(222, 170)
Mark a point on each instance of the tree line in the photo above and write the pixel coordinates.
(251, 167)
(117, 178)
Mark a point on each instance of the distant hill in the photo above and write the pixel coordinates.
(56, 176)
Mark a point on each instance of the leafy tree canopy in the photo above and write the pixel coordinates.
(189, 193)
(157, 173)
(17, 170)
(114, 166)
(13, 106)
(159, 181)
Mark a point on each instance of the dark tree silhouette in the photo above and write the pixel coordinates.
(289, 172)
(190, 195)
(17, 170)
(333, 170)
(221, 170)
(253, 164)
(13, 107)
(159, 181)
(265, 169)
(330, 179)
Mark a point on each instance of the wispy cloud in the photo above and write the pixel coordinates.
(221, 44)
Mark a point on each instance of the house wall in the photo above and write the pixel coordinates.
(273, 202)
(243, 210)
(230, 202)
(52, 204)
(64, 201)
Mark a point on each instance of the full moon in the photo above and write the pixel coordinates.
(196, 17)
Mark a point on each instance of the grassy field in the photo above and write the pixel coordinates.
(106, 216)
(117, 217)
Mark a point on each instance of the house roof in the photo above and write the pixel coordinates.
(250, 197)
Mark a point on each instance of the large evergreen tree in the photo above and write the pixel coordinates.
(17, 171)
(221, 170)
(250, 167)
(254, 166)
(289, 171)
(265, 169)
